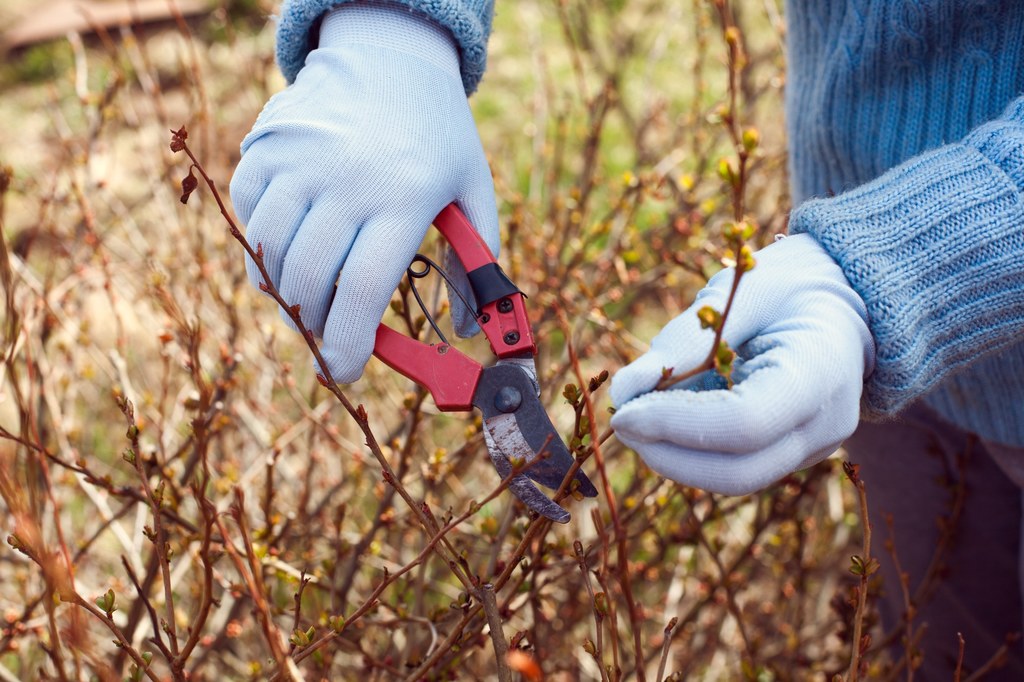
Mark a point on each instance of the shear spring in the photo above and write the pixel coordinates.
(426, 265)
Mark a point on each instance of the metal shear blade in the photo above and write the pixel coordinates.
(505, 444)
(518, 430)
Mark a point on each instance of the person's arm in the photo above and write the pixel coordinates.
(935, 248)
(345, 169)
(925, 263)
(468, 22)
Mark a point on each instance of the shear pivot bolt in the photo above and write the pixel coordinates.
(507, 399)
(511, 338)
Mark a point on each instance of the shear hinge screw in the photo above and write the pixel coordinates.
(511, 339)
(507, 399)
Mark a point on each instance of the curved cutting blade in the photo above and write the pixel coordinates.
(518, 427)
(502, 429)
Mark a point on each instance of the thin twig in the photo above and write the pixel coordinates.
(959, 657)
(622, 557)
(866, 567)
(666, 646)
(498, 641)
(997, 660)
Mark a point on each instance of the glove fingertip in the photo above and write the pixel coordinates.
(463, 320)
(625, 422)
(246, 189)
(255, 276)
(344, 369)
(637, 378)
(465, 325)
(288, 320)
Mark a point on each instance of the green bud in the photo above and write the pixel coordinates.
(726, 171)
(106, 602)
(861, 567)
(302, 639)
(709, 318)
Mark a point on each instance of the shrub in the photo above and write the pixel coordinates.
(186, 500)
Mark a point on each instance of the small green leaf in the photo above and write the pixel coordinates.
(106, 602)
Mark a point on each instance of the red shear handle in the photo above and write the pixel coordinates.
(502, 306)
(450, 376)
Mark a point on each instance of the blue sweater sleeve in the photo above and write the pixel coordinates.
(935, 247)
(469, 22)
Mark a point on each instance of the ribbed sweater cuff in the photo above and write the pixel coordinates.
(468, 21)
(934, 248)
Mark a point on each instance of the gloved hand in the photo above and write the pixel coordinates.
(345, 169)
(803, 350)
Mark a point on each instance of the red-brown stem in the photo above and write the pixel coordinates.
(908, 604)
(159, 534)
(206, 601)
(254, 582)
(666, 646)
(581, 560)
(862, 594)
(444, 549)
(622, 554)
(370, 602)
(738, 187)
(116, 631)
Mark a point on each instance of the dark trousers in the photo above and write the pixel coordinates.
(913, 468)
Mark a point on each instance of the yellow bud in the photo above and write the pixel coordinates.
(751, 138)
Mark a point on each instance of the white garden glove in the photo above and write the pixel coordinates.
(346, 168)
(803, 349)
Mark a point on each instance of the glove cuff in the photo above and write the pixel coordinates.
(390, 27)
(425, 29)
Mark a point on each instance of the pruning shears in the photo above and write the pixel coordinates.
(517, 429)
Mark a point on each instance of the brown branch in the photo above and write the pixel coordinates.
(490, 606)
(865, 566)
(635, 617)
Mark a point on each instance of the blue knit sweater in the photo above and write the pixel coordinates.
(907, 163)
(934, 246)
